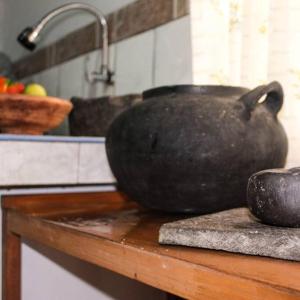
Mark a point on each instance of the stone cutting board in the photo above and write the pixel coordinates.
(234, 230)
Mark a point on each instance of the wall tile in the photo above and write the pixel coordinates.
(32, 78)
(76, 42)
(181, 8)
(142, 15)
(33, 63)
(92, 61)
(71, 78)
(50, 80)
(93, 164)
(173, 53)
(134, 64)
(127, 21)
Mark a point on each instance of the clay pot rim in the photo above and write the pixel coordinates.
(194, 89)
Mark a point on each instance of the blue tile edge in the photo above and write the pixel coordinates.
(51, 138)
(57, 189)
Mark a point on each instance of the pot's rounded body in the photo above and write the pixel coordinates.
(191, 149)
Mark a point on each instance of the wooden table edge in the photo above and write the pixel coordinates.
(42, 231)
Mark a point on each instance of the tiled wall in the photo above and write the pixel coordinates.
(156, 57)
(136, 17)
(159, 56)
(20, 14)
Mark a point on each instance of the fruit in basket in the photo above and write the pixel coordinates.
(7, 86)
(15, 88)
(3, 84)
(35, 89)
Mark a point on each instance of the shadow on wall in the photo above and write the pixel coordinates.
(109, 284)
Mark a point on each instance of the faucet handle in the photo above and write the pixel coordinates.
(104, 75)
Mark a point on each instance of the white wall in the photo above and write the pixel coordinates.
(249, 43)
(51, 275)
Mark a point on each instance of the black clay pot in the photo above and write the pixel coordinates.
(192, 148)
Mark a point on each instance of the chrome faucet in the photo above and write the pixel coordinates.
(28, 38)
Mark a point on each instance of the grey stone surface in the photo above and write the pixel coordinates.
(45, 160)
(234, 230)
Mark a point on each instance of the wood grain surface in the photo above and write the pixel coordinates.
(11, 263)
(108, 230)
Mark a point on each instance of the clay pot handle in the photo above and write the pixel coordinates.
(273, 101)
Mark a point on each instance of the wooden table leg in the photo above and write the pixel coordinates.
(11, 262)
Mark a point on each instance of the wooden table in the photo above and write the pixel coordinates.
(110, 231)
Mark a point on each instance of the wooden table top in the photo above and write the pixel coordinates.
(110, 231)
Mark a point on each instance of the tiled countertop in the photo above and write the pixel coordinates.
(53, 160)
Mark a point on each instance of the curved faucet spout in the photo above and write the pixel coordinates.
(28, 37)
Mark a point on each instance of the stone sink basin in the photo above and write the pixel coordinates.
(92, 117)
(25, 114)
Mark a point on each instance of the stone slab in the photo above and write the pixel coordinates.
(234, 230)
(93, 165)
(35, 163)
(49, 160)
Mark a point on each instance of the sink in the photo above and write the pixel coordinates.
(92, 117)
(26, 114)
